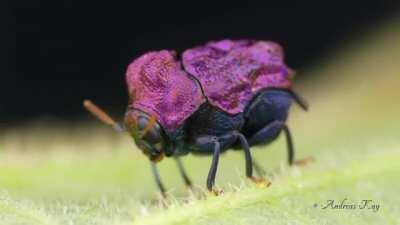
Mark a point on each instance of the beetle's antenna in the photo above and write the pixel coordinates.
(299, 100)
(101, 115)
(150, 124)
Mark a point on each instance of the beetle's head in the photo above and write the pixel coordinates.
(147, 133)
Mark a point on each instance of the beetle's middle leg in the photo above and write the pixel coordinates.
(249, 161)
(183, 173)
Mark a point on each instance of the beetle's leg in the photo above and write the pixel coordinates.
(290, 148)
(214, 166)
(249, 163)
(270, 131)
(299, 100)
(158, 179)
(289, 143)
(247, 154)
(185, 177)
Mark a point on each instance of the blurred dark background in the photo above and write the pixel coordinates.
(60, 52)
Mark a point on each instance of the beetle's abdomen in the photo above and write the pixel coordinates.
(232, 72)
(159, 86)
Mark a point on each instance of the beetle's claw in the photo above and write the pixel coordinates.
(261, 182)
(303, 162)
(216, 192)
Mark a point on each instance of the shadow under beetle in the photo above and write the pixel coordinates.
(223, 95)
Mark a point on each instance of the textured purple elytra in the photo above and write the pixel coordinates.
(159, 86)
(232, 72)
(229, 72)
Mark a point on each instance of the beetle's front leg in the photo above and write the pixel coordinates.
(157, 178)
(183, 173)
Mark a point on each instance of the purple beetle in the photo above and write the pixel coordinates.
(224, 95)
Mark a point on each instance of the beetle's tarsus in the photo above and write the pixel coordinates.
(261, 182)
(216, 192)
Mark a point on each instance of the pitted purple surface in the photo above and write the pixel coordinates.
(159, 86)
(232, 72)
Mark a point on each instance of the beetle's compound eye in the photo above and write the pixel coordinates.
(149, 129)
(147, 133)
